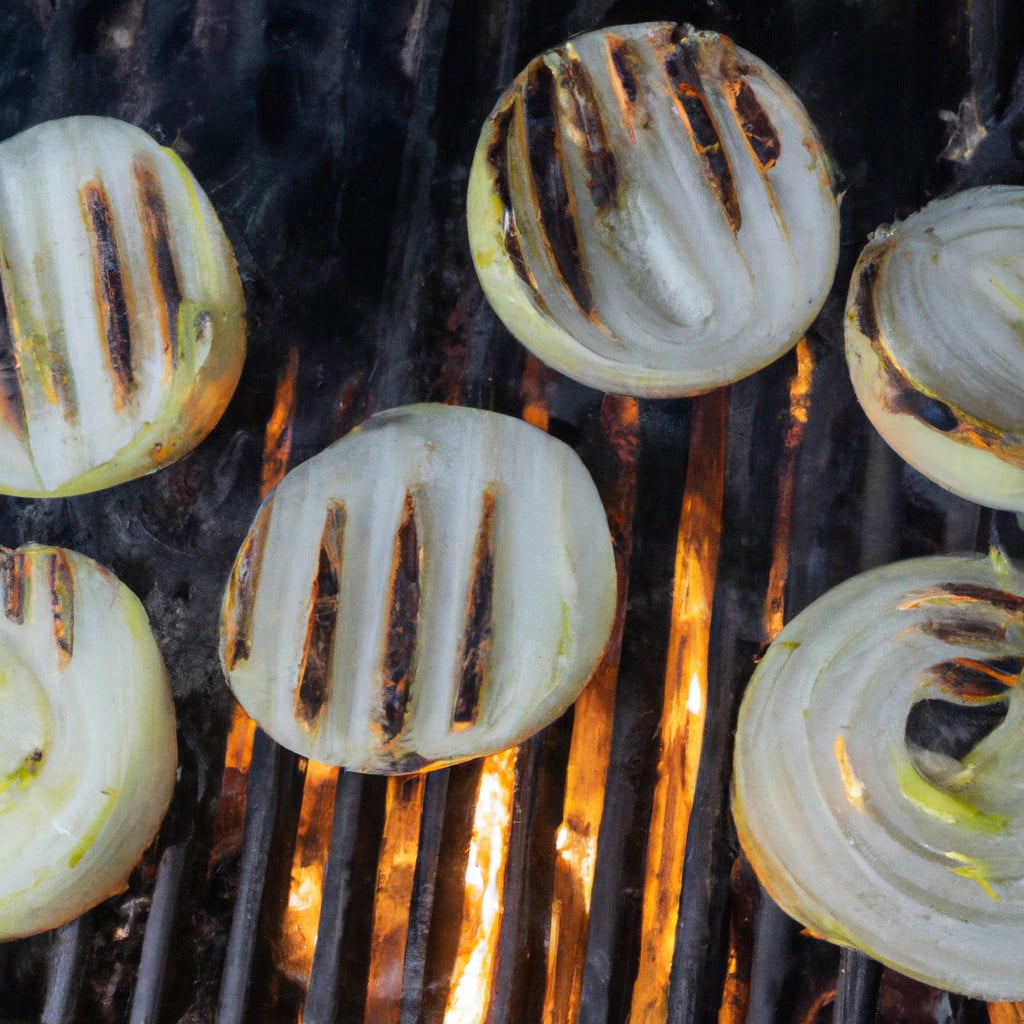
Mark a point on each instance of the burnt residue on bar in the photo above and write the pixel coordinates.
(400, 644)
(12, 402)
(318, 657)
(108, 280)
(752, 118)
(62, 604)
(476, 650)
(556, 209)
(688, 91)
(589, 133)
(156, 232)
(13, 581)
(241, 599)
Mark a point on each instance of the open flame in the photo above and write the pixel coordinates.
(682, 722)
(484, 894)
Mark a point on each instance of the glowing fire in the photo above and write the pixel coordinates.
(484, 896)
(395, 874)
(682, 723)
(1006, 1013)
(590, 750)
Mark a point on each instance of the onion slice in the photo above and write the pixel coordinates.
(87, 737)
(650, 211)
(935, 341)
(871, 827)
(435, 586)
(122, 321)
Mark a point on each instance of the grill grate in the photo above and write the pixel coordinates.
(335, 140)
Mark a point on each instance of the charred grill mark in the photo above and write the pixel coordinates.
(970, 592)
(497, 157)
(692, 104)
(62, 605)
(931, 411)
(967, 633)
(159, 254)
(555, 206)
(318, 654)
(400, 647)
(973, 680)
(476, 649)
(864, 302)
(12, 402)
(241, 597)
(752, 118)
(13, 576)
(110, 290)
(588, 132)
(624, 62)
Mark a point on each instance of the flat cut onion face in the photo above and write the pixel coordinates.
(87, 739)
(436, 586)
(122, 330)
(935, 342)
(650, 211)
(902, 840)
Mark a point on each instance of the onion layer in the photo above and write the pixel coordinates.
(435, 586)
(935, 342)
(870, 828)
(650, 211)
(122, 330)
(87, 740)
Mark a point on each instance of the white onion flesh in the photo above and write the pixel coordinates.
(650, 211)
(88, 753)
(122, 331)
(935, 342)
(899, 849)
(435, 586)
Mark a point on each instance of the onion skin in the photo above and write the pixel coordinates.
(650, 211)
(88, 754)
(436, 586)
(907, 853)
(935, 346)
(122, 326)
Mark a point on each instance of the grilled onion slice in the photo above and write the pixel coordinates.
(874, 797)
(87, 739)
(650, 211)
(935, 341)
(435, 586)
(122, 329)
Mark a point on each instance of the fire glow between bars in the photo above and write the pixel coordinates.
(736, 992)
(682, 722)
(590, 750)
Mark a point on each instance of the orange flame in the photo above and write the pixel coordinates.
(1006, 1013)
(484, 894)
(799, 410)
(277, 442)
(395, 873)
(590, 750)
(536, 378)
(682, 722)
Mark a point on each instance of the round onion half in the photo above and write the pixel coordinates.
(87, 737)
(650, 211)
(879, 771)
(437, 585)
(935, 342)
(122, 328)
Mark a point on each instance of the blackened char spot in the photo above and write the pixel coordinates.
(12, 404)
(12, 574)
(476, 646)
(400, 648)
(602, 170)
(556, 211)
(688, 89)
(109, 285)
(623, 57)
(157, 236)
(932, 411)
(316, 673)
(755, 124)
(497, 157)
(242, 590)
(864, 301)
(62, 604)
(969, 679)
